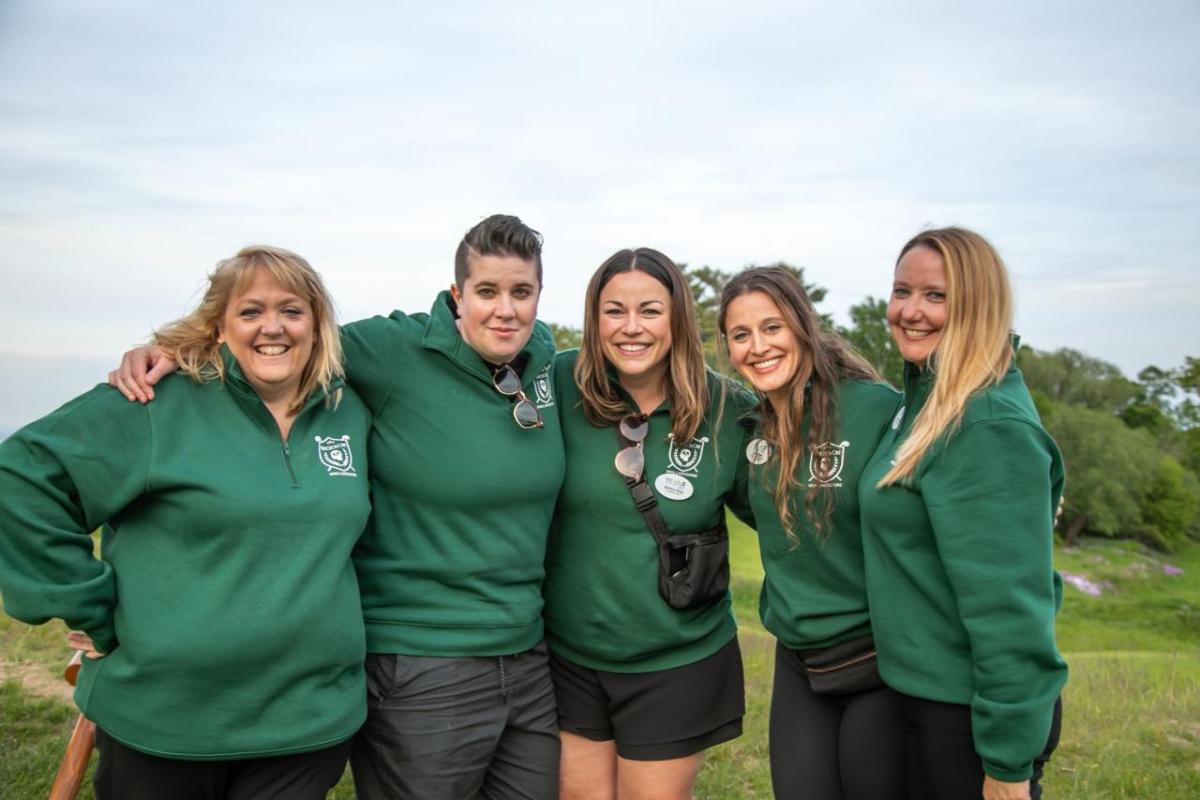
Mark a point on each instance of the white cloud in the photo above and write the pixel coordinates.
(140, 142)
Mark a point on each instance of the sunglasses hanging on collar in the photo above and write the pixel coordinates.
(508, 383)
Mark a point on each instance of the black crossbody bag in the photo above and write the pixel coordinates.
(693, 568)
(844, 668)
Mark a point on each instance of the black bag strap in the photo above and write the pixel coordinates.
(645, 502)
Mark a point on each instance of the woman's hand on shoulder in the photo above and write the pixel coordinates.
(140, 369)
(1004, 790)
(80, 641)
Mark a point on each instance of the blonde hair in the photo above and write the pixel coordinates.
(193, 341)
(686, 379)
(974, 350)
(825, 360)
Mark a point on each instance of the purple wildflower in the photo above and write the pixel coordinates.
(1171, 569)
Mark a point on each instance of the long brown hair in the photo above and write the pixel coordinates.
(825, 359)
(975, 347)
(192, 341)
(686, 381)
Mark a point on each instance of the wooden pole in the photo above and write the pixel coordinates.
(79, 748)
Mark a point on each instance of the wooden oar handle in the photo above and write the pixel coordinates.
(71, 673)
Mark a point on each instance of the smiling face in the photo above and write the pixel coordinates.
(497, 305)
(762, 346)
(916, 312)
(635, 326)
(270, 331)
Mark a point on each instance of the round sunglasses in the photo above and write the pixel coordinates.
(508, 383)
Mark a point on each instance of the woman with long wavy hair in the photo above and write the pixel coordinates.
(835, 729)
(958, 511)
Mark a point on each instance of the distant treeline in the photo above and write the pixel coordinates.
(1132, 447)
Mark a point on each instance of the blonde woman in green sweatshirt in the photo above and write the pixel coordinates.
(230, 508)
(958, 508)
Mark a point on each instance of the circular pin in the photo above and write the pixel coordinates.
(758, 451)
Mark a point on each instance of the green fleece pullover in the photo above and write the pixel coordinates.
(225, 597)
(603, 610)
(452, 561)
(959, 569)
(815, 591)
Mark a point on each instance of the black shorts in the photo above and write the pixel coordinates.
(654, 716)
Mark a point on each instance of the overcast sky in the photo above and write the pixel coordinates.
(142, 141)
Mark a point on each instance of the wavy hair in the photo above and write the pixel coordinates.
(686, 380)
(825, 360)
(193, 341)
(975, 348)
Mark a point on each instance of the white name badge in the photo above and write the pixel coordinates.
(673, 487)
(758, 451)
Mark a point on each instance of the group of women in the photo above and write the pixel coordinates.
(539, 603)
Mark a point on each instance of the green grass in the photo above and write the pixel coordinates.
(1141, 608)
(1131, 707)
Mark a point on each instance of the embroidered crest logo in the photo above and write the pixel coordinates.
(825, 464)
(686, 459)
(542, 389)
(336, 456)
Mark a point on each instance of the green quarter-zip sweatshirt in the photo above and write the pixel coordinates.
(959, 569)
(815, 590)
(603, 609)
(452, 561)
(225, 598)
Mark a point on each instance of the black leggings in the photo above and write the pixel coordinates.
(832, 747)
(942, 762)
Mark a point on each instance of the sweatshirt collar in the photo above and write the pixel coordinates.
(918, 381)
(441, 334)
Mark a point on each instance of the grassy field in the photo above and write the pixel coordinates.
(1131, 709)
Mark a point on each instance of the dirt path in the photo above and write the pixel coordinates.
(35, 679)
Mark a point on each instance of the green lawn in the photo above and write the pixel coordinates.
(1131, 708)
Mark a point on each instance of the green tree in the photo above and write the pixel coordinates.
(1119, 483)
(1109, 467)
(565, 337)
(1069, 376)
(871, 336)
(1171, 506)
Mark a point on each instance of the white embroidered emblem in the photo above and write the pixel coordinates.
(543, 389)
(825, 464)
(335, 455)
(686, 460)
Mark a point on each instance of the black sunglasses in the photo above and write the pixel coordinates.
(631, 460)
(507, 383)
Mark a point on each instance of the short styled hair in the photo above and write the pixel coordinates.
(194, 343)
(498, 235)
